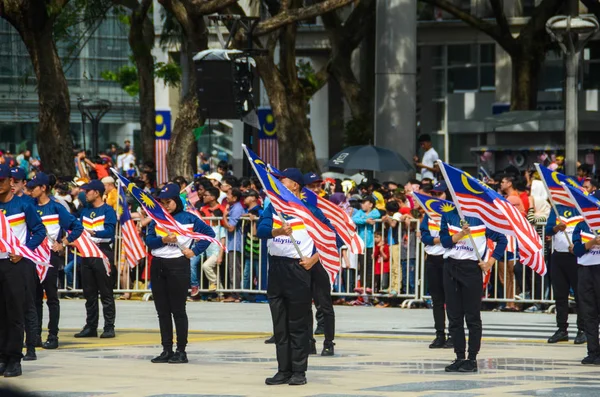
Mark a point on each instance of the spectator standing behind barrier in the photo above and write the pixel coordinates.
(251, 242)
(381, 260)
(586, 246)
(99, 220)
(232, 223)
(57, 221)
(18, 279)
(111, 195)
(170, 275)
(391, 222)
(214, 254)
(463, 282)
(408, 249)
(564, 271)
(365, 220)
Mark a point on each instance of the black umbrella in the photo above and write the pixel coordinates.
(369, 158)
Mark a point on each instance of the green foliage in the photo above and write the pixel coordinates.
(127, 76)
(359, 132)
(171, 33)
(308, 77)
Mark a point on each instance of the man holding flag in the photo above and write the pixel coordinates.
(586, 246)
(560, 226)
(16, 272)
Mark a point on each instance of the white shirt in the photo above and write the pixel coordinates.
(283, 246)
(429, 159)
(127, 160)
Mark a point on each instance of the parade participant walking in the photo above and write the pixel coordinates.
(16, 275)
(99, 220)
(463, 281)
(321, 291)
(170, 273)
(289, 290)
(57, 221)
(564, 270)
(586, 246)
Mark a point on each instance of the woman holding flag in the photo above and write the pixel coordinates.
(170, 272)
(57, 221)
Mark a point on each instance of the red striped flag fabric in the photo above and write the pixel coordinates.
(588, 205)
(161, 148)
(10, 243)
(86, 248)
(135, 250)
(477, 200)
(552, 181)
(340, 220)
(268, 150)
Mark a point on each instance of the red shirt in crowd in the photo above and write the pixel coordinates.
(377, 254)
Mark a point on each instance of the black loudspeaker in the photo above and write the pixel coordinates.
(224, 88)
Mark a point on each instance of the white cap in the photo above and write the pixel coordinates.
(215, 176)
(108, 179)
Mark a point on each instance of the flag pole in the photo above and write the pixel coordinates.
(537, 167)
(462, 217)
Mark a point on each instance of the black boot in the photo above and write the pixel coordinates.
(51, 343)
(313, 347)
(559, 336)
(164, 357)
(280, 378)
(87, 333)
(30, 355)
(108, 333)
(438, 342)
(580, 339)
(328, 349)
(38, 341)
(297, 379)
(270, 341)
(455, 366)
(179, 358)
(13, 369)
(468, 366)
(320, 330)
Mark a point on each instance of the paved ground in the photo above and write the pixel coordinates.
(379, 352)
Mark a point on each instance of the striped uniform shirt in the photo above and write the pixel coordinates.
(567, 215)
(581, 235)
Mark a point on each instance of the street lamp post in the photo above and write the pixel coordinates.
(93, 110)
(571, 32)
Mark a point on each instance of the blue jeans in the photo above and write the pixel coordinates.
(195, 278)
(249, 282)
(411, 275)
(70, 271)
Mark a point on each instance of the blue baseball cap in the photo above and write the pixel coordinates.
(18, 173)
(169, 191)
(40, 179)
(293, 174)
(94, 184)
(311, 177)
(4, 171)
(440, 187)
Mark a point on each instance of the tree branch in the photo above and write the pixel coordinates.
(204, 7)
(491, 30)
(322, 78)
(536, 27)
(498, 8)
(286, 17)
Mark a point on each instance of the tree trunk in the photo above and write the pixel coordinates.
(140, 42)
(181, 160)
(526, 66)
(296, 147)
(55, 144)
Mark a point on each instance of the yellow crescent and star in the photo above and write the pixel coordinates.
(428, 205)
(269, 120)
(161, 127)
(147, 200)
(555, 177)
(465, 182)
(273, 184)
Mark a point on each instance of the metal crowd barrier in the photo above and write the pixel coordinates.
(243, 273)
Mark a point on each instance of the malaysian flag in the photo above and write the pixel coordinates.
(160, 215)
(161, 145)
(552, 181)
(588, 205)
(476, 199)
(284, 201)
(10, 243)
(86, 248)
(268, 147)
(135, 249)
(433, 207)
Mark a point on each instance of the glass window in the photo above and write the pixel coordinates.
(552, 74)
(439, 52)
(439, 116)
(460, 148)
(462, 54)
(488, 78)
(462, 79)
(438, 83)
(487, 53)
(591, 76)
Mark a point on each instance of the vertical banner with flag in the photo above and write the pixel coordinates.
(161, 145)
(268, 147)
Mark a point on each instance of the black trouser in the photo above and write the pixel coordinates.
(32, 326)
(564, 277)
(290, 303)
(95, 281)
(434, 271)
(463, 287)
(365, 269)
(13, 296)
(50, 285)
(589, 305)
(321, 294)
(170, 282)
